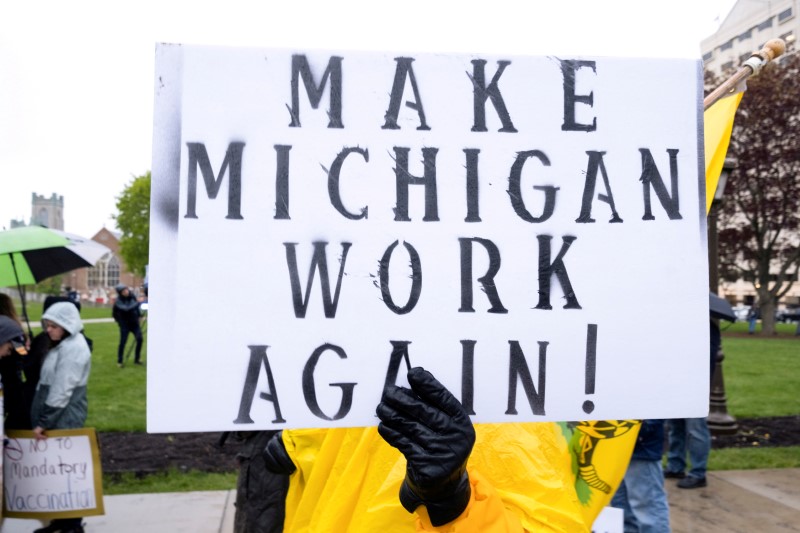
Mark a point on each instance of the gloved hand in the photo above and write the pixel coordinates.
(433, 431)
(276, 457)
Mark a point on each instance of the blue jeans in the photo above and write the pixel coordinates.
(642, 498)
(688, 435)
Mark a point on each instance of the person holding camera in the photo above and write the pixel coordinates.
(126, 314)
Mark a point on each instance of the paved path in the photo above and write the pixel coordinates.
(739, 501)
(84, 320)
(735, 501)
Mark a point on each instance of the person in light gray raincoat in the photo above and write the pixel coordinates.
(60, 401)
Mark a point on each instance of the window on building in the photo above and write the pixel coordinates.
(746, 35)
(727, 65)
(790, 42)
(767, 24)
(98, 274)
(95, 277)
(707, 56)
(726, 46)
(743, 58)
(42, 218)
(785, 15)
(112, 274)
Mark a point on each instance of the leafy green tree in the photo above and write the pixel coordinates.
(50, 286)
(759, 221)
(133, 220)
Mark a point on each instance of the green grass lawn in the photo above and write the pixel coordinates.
(761, 380)
(117, 396)
(171, 481)
(762, 376)
(34, 310)
(781, 329)
(750, 458)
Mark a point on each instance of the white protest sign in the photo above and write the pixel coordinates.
(529, 229)
(59, 477)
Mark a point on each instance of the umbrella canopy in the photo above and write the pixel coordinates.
(30, 254)
(88, 249)
(720, 308)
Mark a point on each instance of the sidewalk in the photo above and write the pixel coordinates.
(85, 321)
(195, 512)
(735, 501)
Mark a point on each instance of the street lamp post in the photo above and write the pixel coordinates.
(720, 422)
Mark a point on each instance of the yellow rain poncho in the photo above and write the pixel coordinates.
(525, 477)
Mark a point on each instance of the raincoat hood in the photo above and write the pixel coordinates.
(65, 315)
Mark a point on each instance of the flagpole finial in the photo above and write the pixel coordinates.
(772, 49)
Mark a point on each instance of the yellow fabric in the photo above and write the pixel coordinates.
(485, 512)
(718, 124)
(525, 478)
(601, 451)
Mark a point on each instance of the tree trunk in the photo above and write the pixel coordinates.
(767, 306)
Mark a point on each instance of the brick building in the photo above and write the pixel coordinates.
(96, 284)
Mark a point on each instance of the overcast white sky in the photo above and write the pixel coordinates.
(76, 78)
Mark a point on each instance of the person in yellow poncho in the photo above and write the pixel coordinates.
(451, 476)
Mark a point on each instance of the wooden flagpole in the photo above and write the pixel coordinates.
(772, 49)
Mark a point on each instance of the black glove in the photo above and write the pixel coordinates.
(276, 457)
(431, 428)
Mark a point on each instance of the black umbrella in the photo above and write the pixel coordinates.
(720, 308)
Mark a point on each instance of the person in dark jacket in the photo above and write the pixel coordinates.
(13, 372)
(641, 494)
(126, 313)
(260, 494)
(12, 339)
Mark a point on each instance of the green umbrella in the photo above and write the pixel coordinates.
(15, 246)
(30, 254)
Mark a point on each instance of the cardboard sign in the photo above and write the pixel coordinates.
(529, 229)
(59, 477)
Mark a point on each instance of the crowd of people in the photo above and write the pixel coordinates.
(45, 377)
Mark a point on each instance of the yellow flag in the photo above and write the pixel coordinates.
(718, 125)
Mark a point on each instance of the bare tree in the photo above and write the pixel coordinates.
(759, 220)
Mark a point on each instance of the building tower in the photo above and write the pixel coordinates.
(47, 212)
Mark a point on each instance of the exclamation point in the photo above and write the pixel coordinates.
(591, 363)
